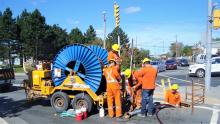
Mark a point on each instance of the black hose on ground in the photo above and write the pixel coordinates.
(159, 108)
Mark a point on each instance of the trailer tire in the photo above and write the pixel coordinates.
(82, 99)
(60, 101)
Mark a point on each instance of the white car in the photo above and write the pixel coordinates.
(199, 69)
(159, 65)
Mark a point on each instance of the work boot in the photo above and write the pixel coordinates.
(141, 115)
(120, 118)
(138, 107)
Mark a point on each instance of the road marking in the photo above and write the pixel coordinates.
(2, 121)
(176, 78)
(214, 119)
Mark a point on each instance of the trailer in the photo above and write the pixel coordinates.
(75, 79)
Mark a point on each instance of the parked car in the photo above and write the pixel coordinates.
(183, 62)
(171, 64)
(199, 69)
(159, 65)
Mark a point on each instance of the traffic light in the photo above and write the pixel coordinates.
(216, 19)
(116, 14)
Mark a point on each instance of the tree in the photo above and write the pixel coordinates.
(8, 35)
(25, 35)
(176, 48)
(97, 41)
(90, 34)
(56, 38)
(139, 55)
(187, 50)
(32, 26)
(7, 26)
(76, 36)
(112, 38)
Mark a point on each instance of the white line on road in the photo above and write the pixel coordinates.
(214, 119)
(2, 121)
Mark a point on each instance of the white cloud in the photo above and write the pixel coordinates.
(72, 21)
(132, 9)
(36, 2)
(76, 22)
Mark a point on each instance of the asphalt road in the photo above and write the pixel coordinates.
(181, 76)
(14, 109)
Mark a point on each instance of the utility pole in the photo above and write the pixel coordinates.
(176, 47)
(132, 54)
(154, 50)
(163, 47)
(104, 16)
(208, 46)
(136, 41)
(119, 52)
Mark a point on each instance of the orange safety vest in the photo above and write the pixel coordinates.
(113, 55)
(111, 74)
(172, 98)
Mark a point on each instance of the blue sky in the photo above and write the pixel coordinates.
(151, 21)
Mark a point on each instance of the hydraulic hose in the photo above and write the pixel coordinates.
(159, 108)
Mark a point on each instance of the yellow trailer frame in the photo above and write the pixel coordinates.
(43, 86)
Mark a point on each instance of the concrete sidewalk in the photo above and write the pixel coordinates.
(211, 97)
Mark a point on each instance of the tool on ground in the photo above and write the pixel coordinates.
(101, 112)
(79, 115)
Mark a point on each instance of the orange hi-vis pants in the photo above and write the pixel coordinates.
(114, 96)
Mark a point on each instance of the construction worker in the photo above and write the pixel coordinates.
(134, 88)
(173, 96)
(114, 53)
(113, 89)
(149, 75)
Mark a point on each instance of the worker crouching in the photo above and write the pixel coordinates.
(134, 88)
(173, 96)
(113, 89)
(149, 75)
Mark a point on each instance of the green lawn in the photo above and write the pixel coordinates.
(18, 69)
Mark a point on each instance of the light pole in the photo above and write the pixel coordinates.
(208, 45)
(176, 47)
(104, 17)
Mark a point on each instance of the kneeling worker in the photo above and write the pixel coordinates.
(173, 96)
(113, 89)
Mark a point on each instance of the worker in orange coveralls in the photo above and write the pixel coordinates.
(173, 96)
(114, 55)
(113, 89)
(134, 88)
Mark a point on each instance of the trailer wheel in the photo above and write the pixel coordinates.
(60, 101)
(82, 100)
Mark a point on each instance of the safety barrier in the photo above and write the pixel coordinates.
(193, 94)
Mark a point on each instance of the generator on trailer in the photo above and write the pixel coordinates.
(75, 79)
